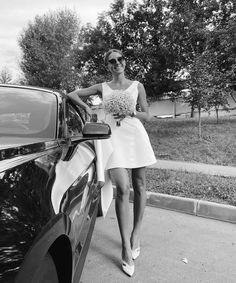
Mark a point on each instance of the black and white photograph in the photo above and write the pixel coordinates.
(118, 141)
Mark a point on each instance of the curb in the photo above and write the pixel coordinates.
(191, 206)
(210, 169)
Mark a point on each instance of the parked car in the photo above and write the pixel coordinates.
(49, 193)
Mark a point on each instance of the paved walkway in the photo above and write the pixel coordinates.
(175, 248)
(227, 171)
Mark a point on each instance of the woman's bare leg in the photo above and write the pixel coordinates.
(140, 198)
(121, 179)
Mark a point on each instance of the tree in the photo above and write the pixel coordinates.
(5, 76)
(208, 86)
(192, 22)
(160, 38)
(137, 29)
(218, 90)
(198, 32)
(198, 85)
(48, 44)
(225, 48)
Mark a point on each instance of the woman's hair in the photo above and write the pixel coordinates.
(107, 54)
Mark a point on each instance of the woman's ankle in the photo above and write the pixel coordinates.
(134, 240)
(127, 255)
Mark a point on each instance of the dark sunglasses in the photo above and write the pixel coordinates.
(116, 60)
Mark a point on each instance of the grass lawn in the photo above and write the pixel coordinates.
(177, 139)
(192, 185)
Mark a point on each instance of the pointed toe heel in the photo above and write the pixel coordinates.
(128, 269)
(135, 253)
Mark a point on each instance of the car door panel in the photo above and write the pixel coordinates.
(69, 173)
(25, 208)
(48, 187)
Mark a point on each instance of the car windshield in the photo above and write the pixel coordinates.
(27, 113)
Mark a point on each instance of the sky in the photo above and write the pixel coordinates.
(16, 14)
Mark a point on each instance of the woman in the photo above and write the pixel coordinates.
(131, 149)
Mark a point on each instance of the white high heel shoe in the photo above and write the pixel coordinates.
(128, 269)
(135, 253)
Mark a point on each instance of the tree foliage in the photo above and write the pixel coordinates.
(47, 44)
(199, 30)
(5, 76)
(218, 88)
(137, 29)
(208, 85)
(159, 39)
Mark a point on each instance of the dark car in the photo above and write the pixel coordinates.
(49, 192)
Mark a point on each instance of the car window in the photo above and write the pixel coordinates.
(74, 121)
(27, 112)
(82, 113)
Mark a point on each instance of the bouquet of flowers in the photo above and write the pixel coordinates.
(120, 103)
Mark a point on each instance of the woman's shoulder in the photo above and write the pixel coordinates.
(105, 83)
(134, 83)
(97, 87)
(137, 84)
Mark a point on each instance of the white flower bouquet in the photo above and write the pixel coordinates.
(119, 103)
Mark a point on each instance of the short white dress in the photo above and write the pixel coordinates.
(131, 147)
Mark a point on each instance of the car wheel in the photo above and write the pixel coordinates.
(47, 272)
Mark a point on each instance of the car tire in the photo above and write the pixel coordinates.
(47, 272)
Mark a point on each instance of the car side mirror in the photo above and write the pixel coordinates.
(92, 130)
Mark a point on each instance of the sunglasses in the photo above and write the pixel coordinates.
(114, 61)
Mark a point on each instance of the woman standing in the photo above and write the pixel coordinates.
(131, 150)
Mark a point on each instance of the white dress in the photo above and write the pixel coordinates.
(130, 141)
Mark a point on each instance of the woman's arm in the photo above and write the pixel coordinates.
(142, 99)
(75, 96)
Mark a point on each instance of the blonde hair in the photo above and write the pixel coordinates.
(107, 54)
